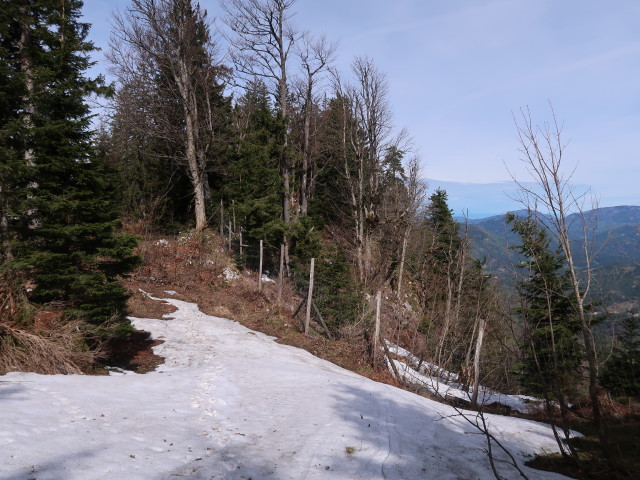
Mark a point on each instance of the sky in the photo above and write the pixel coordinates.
(230, 403)
(460, 71)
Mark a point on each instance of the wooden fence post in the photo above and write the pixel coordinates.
(221, 219)
(260, 270)
(281, 273)
(476, 363)
(309, 297)
(376, 334)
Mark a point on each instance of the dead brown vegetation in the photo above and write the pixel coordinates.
(192, 265)
(59, 349)
(37, 340)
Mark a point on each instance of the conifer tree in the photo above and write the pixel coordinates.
(62, 201)
(254, 186)
(551, 351)
(621, 372)
(447, 239)
(163, 54)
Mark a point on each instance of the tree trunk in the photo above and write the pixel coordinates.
(195, 173)
(592, 362)
(27, 70)
(193, 157)
(5, 247)
(405, 241)
(476, 362)
(305, 183)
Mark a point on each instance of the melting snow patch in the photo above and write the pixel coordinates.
(186, 237)
(233, 406)
(445, 384)
(230, 275)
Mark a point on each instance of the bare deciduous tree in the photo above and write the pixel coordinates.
(262, 40)
(164, 48)
(551, 201)
(315, 56)
(367, 133)
(415, 195)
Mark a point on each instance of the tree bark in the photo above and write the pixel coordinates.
(309, 296)
(166, 43)
(543, 152)
(476, 362)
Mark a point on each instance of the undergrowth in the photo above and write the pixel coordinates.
(624, 442)
(59, 350)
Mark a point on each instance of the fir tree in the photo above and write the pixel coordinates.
(445, 228)
(620, 374)
(170, 106)
(64, 202)
(551, 351)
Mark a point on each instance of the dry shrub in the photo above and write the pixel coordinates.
(36, 340)
(10, 298)
(61, 349)
(620, 408)
(190, 258)
(352, 333)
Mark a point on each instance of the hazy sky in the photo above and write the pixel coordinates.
(459, 70)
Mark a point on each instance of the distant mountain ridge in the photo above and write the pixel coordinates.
(616, 248)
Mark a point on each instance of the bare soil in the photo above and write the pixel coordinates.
(192, 268)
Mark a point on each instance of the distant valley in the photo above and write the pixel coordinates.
(615, 243)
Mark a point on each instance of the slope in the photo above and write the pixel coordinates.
(615, 244)
(231, 403)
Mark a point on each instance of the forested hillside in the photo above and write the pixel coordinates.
(615, 243)
(246, 137)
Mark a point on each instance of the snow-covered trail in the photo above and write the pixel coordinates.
(230, 403)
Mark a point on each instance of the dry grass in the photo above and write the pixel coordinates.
(192, 266)
(58, 350)
(38, 340)
(141, 306)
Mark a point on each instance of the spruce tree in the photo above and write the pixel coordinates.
(63, 200)
(447, 238)
(254, 186)
(551, 352)
(620, 374)
(11, 95)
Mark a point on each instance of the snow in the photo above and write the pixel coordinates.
(231, 403)
(230, 275)
(445, 384)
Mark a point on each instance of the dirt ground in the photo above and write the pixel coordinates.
(192, 268)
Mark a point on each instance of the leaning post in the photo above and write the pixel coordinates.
(376, 334)
(309, 297)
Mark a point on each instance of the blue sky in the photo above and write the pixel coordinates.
(458, 71)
